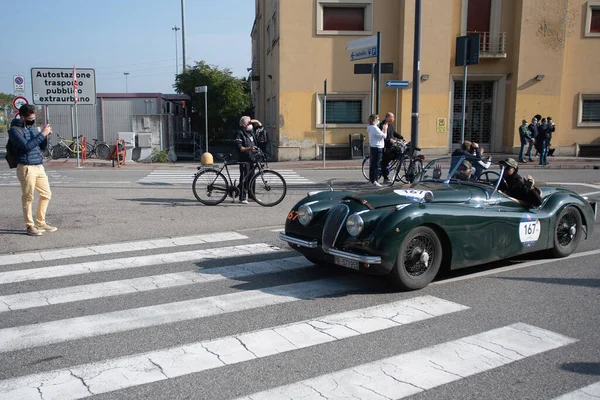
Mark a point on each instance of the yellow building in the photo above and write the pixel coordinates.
(536, 57)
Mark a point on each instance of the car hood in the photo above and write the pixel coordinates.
(389, 197)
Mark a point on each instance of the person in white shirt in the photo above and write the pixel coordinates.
(376, 143)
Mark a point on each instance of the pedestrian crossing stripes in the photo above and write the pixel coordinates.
(591, 392)
(9, 178)
(101, 307)
(186, 177)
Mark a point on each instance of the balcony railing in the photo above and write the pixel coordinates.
(490, 46)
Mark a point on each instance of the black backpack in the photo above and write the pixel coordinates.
(11, 154)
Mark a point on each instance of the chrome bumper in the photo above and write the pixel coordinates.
(334, 252)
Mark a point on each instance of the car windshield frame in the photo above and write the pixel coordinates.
(455, 162)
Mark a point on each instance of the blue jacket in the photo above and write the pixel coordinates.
(28, 147)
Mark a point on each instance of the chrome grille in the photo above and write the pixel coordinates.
(333, 224)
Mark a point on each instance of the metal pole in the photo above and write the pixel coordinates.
(373, 66)
(396, 115)
(414, 131)
(175, 28)
(206, 116)
(324, 119)
(378, 72)
(464, 99)
(183, 32)
(77, 145)
(126, 75)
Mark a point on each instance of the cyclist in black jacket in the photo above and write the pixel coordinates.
(390, 149)
(245, 142)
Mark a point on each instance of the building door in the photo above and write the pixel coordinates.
(479, 110)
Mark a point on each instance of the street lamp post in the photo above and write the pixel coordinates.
(204, 89)
(175, 28)
(126, 88)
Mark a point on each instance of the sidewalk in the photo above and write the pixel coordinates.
(558, 162)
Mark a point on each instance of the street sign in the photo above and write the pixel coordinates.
(19, 85)
(201, 89)
(361, 54)
(396, 84)
(52, 86)
(472, 50)
(386, 68)
(18, 102)
(362, 43)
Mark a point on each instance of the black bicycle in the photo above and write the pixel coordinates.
(399, 148)
(409, 167)
(97, 148)
(266, 187)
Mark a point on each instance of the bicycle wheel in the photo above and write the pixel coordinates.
(365, 167)
(47, 152)
(268, 188)
(102, 151)
(210, 187)
(402, 169)
(89, 149)
(57, 152)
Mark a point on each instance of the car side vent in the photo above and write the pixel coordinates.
(333, 224)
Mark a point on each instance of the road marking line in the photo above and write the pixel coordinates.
(415, 372)
(120, 373)
(513, 267)
(43, 298)
(591, 392)
(135, 262)
(574, 184)
(34, 335)
(47, 255)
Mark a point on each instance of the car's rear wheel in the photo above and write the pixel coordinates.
(567, 232)
(419, 259)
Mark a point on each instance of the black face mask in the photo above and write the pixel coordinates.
(30, 122)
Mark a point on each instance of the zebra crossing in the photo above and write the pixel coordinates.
(48, 300)
(9, 178)
(158, 177)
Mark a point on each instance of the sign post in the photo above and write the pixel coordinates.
(19, 85)
(18, 102)
(204, 89)
(56, 86)
(76, 126)
(324, 119)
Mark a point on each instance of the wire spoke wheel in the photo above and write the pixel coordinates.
(567, 232)
(210, 187)
(419, 259)
(102, 151)
(365, 167)
(268, 188)
(57, 152)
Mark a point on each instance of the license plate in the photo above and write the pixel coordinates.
(344, 262)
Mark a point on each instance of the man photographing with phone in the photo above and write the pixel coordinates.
(28, 144)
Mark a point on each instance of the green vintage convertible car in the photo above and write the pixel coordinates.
(413, 231)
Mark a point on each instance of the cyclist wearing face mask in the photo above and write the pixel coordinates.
(28, 143)
(245, 142)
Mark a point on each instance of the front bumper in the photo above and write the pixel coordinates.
(313, 244)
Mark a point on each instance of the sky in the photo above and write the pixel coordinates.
(117, 36)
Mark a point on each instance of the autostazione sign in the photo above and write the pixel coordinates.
(54, 86)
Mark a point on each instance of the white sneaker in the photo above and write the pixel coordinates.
(244, 201)
(376, 184)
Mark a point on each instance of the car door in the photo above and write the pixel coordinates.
(521, 228)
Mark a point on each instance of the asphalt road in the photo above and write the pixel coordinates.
(145, 293)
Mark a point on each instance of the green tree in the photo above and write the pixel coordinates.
(5, 104)
(228, 99)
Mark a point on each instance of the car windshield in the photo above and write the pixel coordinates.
(462, 170)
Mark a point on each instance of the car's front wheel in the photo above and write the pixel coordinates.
(567, 232)
(419, 259)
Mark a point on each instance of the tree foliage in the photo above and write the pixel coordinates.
(228, 98)
(5, 101)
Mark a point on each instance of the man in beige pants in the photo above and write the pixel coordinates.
(28, 143)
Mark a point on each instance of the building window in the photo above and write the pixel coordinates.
(344, 17)
(592, 19)
(589, 110)
(344, 110)
(478, 15)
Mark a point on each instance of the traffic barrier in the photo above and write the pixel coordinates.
(84, 150)
(119, 155)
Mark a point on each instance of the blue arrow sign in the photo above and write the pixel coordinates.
(396, 84)
(360, 54)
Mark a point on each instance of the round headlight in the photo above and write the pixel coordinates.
(354, 224)
(305, 214)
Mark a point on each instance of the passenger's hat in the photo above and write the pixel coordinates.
(510, 162)
(467, 164)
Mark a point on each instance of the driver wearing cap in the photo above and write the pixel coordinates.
(514, 185)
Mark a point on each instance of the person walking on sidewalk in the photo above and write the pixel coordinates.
(390, 149)
(376, 144)
(526, 138)
(28, 144)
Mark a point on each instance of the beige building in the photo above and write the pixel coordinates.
(536, 57)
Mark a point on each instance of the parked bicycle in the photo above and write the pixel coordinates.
(266, 187)
(66, 148)
(98, 148)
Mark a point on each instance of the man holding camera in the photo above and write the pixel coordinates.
(28, 144)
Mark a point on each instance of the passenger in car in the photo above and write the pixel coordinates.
(464, 171)
(518, 187)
